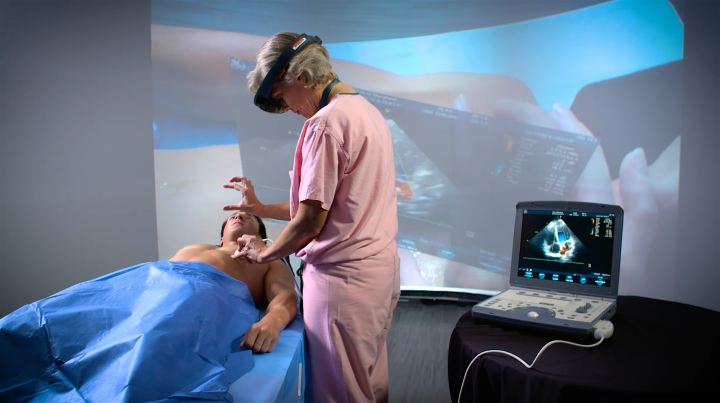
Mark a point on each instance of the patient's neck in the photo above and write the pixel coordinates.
(229, 245)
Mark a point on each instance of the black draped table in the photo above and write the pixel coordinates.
(660, 350)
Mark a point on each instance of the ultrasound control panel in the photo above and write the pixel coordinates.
(546, 309)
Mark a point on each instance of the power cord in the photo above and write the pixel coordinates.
(603, 330)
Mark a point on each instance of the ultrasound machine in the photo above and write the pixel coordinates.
(565, 268)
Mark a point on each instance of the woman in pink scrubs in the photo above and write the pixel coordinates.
(342, 213)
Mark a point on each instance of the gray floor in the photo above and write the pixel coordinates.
(417, 350)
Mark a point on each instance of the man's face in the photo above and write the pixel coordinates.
(240, 224)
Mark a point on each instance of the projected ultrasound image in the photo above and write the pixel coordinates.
(423, 190)
(576, 247)
(471, 163)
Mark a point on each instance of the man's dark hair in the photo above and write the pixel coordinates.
(261, 227)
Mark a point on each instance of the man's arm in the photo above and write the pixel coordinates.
(282, 308)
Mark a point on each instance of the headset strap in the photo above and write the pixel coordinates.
(326, 92)
(283, 61)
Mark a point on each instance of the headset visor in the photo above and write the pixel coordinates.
(262, 96)
(271, 105)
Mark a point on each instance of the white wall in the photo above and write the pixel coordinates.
(699, 214)
(76, 154)
(2, 279)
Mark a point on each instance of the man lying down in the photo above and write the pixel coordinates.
(182, 329)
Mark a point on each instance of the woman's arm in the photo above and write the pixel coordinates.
(277, 211)
(303, 228)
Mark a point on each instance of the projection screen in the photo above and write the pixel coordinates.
(489, 103)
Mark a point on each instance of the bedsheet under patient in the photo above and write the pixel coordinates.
(152, 332)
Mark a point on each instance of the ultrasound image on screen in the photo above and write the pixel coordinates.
(570, 247)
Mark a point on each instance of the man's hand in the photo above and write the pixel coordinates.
(249, 203)
(263, 335)
(249, 248)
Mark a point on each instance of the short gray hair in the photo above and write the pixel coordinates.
(313, 62)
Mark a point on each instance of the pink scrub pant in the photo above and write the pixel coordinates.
(347, 310)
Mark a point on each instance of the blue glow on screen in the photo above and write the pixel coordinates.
(553, 56)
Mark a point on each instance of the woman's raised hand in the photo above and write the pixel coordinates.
(249, 203)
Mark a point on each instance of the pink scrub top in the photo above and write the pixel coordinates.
(344, 159)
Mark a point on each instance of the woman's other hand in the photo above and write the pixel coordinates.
(249, 203)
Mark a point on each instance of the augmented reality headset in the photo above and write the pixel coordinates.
(262, 96)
